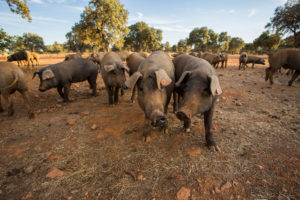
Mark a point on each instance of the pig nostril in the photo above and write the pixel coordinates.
(163, 119)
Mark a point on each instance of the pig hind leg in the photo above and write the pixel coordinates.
(66, 92)
(295, 75)
(1, 108)
(27, 103)
(9, 103)
(93, 84)
(133, 94)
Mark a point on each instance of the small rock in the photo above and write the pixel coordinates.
(29, 195)
(235, 183)
(183, 194)
(68, 198)
(36, 96)
(238, 104)
(28, 170)
(260, 167)
(227, 185)
(85, 113)
(71, 122)
(217, 190)
(140, 177)
(58, 105)
(283, 189)
(54, 172)
(94, 126)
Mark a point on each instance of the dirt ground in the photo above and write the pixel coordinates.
(88, 150)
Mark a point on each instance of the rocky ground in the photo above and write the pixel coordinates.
(88, 150)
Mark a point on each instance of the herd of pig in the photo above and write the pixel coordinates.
(191, 80)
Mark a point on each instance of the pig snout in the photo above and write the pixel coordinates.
(159, 120)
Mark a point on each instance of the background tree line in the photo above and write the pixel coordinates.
(102, 27)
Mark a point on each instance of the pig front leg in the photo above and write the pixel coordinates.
(66, 92)
(210, 142)
(295, 75)
(175, 101)
(116, 95)
(110, 95)
(60, 92)
(147, 129)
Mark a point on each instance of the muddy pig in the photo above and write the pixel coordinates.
(12, 79)
(133, 62)
(155, 82)
(63, 74)
(286, 58)
(113, 74)
(196, 90)
(73, 56)
(243, 60)
(255, 60)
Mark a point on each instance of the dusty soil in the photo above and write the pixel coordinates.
(88, 150)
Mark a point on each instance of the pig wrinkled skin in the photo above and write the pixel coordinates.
(113, 74)
(155, 82)
(197, 88)
(11, 80)
(133, 62)
(62, 75)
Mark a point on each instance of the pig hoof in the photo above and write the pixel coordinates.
(166, 131)
(11, 113)
(146, 139)
(217, 148)
(187, 130)
(31, 115)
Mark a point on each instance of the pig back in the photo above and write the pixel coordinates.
(75, 70)
(158, 60)
(184, 63)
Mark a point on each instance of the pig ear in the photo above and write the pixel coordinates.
(35, 73)
(109, 68)
(131, 82)
(182, 77)
(215, 87)
(47, 74)
(126, 68)
(162, 78)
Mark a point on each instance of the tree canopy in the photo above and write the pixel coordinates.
(286, 19)
(236, 44)
(102, 23)
(198, 38)
(268, 41)
(143, 38)
(20, 7)
(33, 42)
